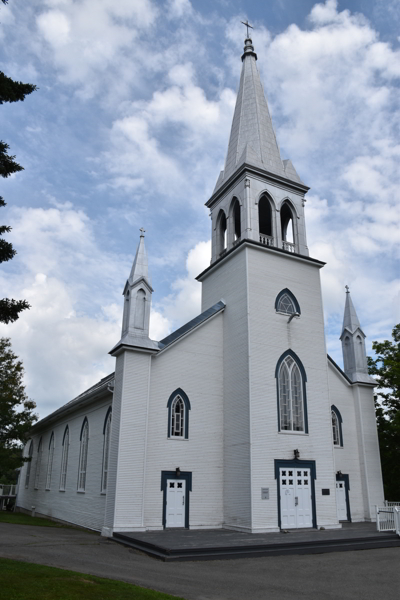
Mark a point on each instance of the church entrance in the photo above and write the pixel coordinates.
(295, 493)
(342, 497)
(175, 509)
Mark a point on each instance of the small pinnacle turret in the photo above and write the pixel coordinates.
(353, 344)
(137, 295)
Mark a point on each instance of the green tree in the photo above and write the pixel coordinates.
(16, 412)
(10, 91)
(386, 368)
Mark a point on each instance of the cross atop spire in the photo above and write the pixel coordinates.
(142, 232)
(247, 24)
(347, 289)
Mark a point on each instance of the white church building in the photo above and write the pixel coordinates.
(238, 419)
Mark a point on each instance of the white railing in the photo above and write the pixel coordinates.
(288, 246)
(8, 490)
(396, 513)
(385, 518)
(387, 503)
(267, 240)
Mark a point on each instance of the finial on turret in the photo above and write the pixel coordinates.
(142, 232)
(248, 42)
(347, 289)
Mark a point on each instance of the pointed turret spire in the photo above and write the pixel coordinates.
(350, 319)
(252, 139)
(353, 345)
(140, 267)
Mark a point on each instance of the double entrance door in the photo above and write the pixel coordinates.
(175, 509)
(295, 498)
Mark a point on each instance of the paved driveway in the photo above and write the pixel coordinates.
(366, 574)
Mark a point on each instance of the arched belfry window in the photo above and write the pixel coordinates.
(64, 459)
(50, 462)
(106, 450)
(291, 390)
(286, 303)
(337, 433)
(287, 226)
(178, 415)
(83, 456)
(221, 232)
(265, 221)
(237, 228)
(125, 323)
(140, 309)
(29, 465)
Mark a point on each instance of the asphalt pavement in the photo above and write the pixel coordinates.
(366, 574)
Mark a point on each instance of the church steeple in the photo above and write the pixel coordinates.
(252, 139)
(258, 196)
(353, 344)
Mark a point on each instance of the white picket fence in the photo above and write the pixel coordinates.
(396, 513)
(388, 517)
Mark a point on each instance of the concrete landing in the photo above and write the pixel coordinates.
(212, 544)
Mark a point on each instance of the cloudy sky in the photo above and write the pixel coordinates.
(129, 128)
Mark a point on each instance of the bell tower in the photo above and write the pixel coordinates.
(261, 268)
(258, 196)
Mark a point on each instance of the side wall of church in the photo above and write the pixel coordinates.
(194, 364)
(270, 337)
(347, 457)
(81, 508)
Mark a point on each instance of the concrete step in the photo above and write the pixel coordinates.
(389, 540)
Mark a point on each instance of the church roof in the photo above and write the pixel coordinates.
(252, 139)
(204, 316)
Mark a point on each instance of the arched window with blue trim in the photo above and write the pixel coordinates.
(178, 415)
(106, 450)
(337, 420)
(83, 456)
(291, 391)
(64, 460)
(50, 462)
(286, 303)
(38, 464)
(29, 464)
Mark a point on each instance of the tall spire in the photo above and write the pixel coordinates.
(140, 267)
(350, 319)
(252, 139)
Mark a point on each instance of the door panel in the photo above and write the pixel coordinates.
(175, 509)
(341, 501)
(295, 497)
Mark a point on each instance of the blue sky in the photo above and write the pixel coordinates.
(129, 128)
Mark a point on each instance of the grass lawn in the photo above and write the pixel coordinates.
(22, 519)
(26, 581)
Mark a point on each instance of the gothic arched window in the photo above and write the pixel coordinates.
(292, 406)
(236, 220)
(29, 465)
(286, 303)
(106, 451)
(83, 456)
(221, 232)
(38, 465)
(178, 415)
(336, 427)
(64, 459)
(265, 228)
(50, 462)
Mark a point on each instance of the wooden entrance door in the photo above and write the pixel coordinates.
(341, 500)
(175, 509)
(295, 498)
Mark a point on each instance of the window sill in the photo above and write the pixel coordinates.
(293, 433)
(61, 490)
(103, 493)
(338, 447)
(80, 491)
(178, 439)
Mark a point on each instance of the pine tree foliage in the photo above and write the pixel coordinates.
(386, 368)
(16, 412)
(10, 91)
